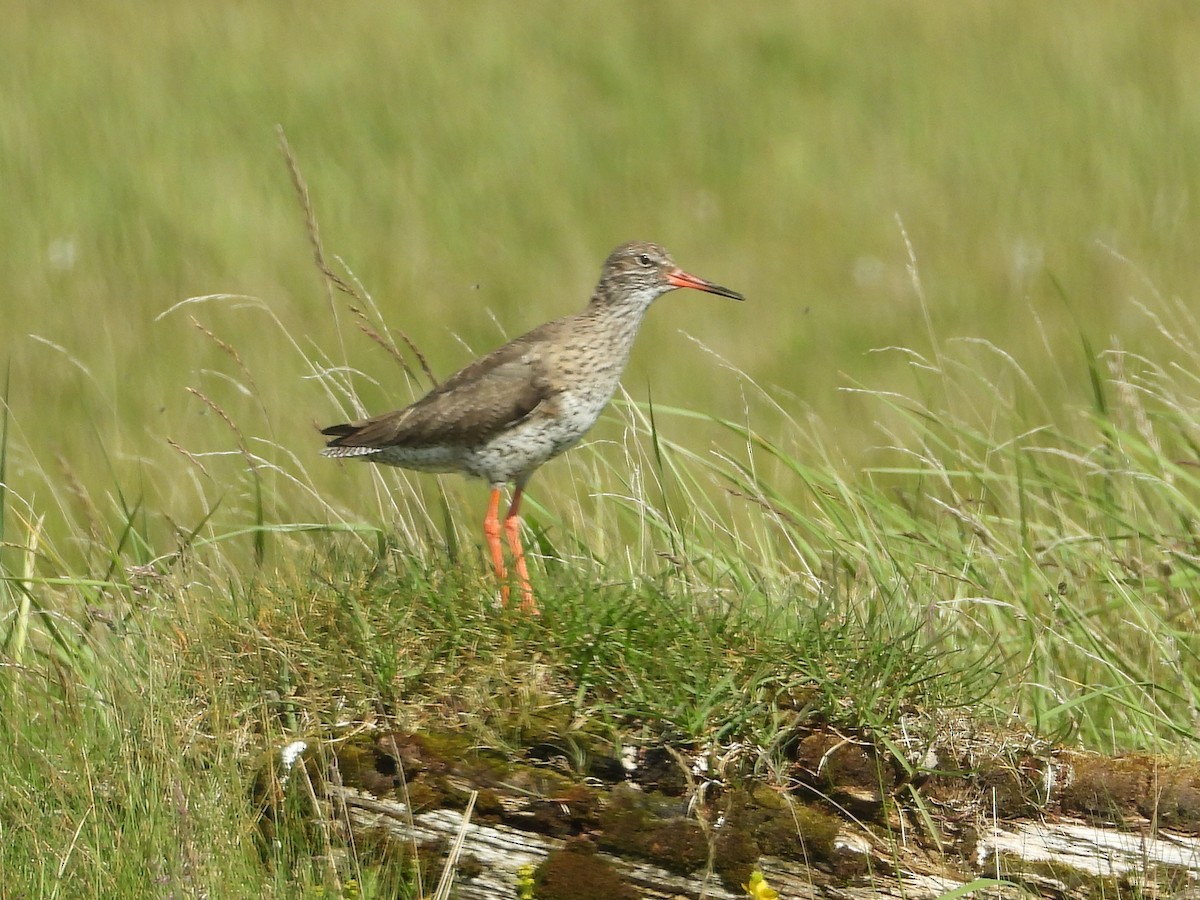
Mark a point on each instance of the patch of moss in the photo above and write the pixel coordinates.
(569, 811)
(1178, 804)
(1145, 786)
(761, 822)
(437, 754)
(1012, 792)
(577, 873)
(654, 828)
(439, 771)
(534, 782)
(469, 866)
(364, 765)
(488, 807)
(735, 853)
(767, 798)
(455, 791)
(783, 826)
(422, 797)
(853, 774)
(544, 725)
(552, 735)
(1106, 788)
(1045, 876)
(678, 845)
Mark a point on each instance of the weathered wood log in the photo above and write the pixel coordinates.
(502, 850)
(1048, 823)
(1099, 853)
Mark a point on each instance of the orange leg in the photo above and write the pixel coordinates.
(491, 530)
(512, 530)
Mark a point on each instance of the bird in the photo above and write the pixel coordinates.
(512, 410)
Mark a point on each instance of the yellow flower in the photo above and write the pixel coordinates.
(758, 888)
(525, 883)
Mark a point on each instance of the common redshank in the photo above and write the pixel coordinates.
(510, 411)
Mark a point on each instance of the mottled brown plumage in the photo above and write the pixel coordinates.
(510, 411)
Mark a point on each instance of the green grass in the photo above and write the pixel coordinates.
(943, 458)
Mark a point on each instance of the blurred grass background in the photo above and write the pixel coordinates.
(474, 164)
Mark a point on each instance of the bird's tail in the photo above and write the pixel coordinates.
(340, 434)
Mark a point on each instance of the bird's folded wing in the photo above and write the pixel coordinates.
(491, 394)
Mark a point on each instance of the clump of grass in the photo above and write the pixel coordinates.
(1069, 550)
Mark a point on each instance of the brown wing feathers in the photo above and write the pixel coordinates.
(487, 396)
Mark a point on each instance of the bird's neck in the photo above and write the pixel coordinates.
(617, 321)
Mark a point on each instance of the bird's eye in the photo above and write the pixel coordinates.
(645, 260)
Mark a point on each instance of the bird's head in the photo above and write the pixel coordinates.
(638, 272)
